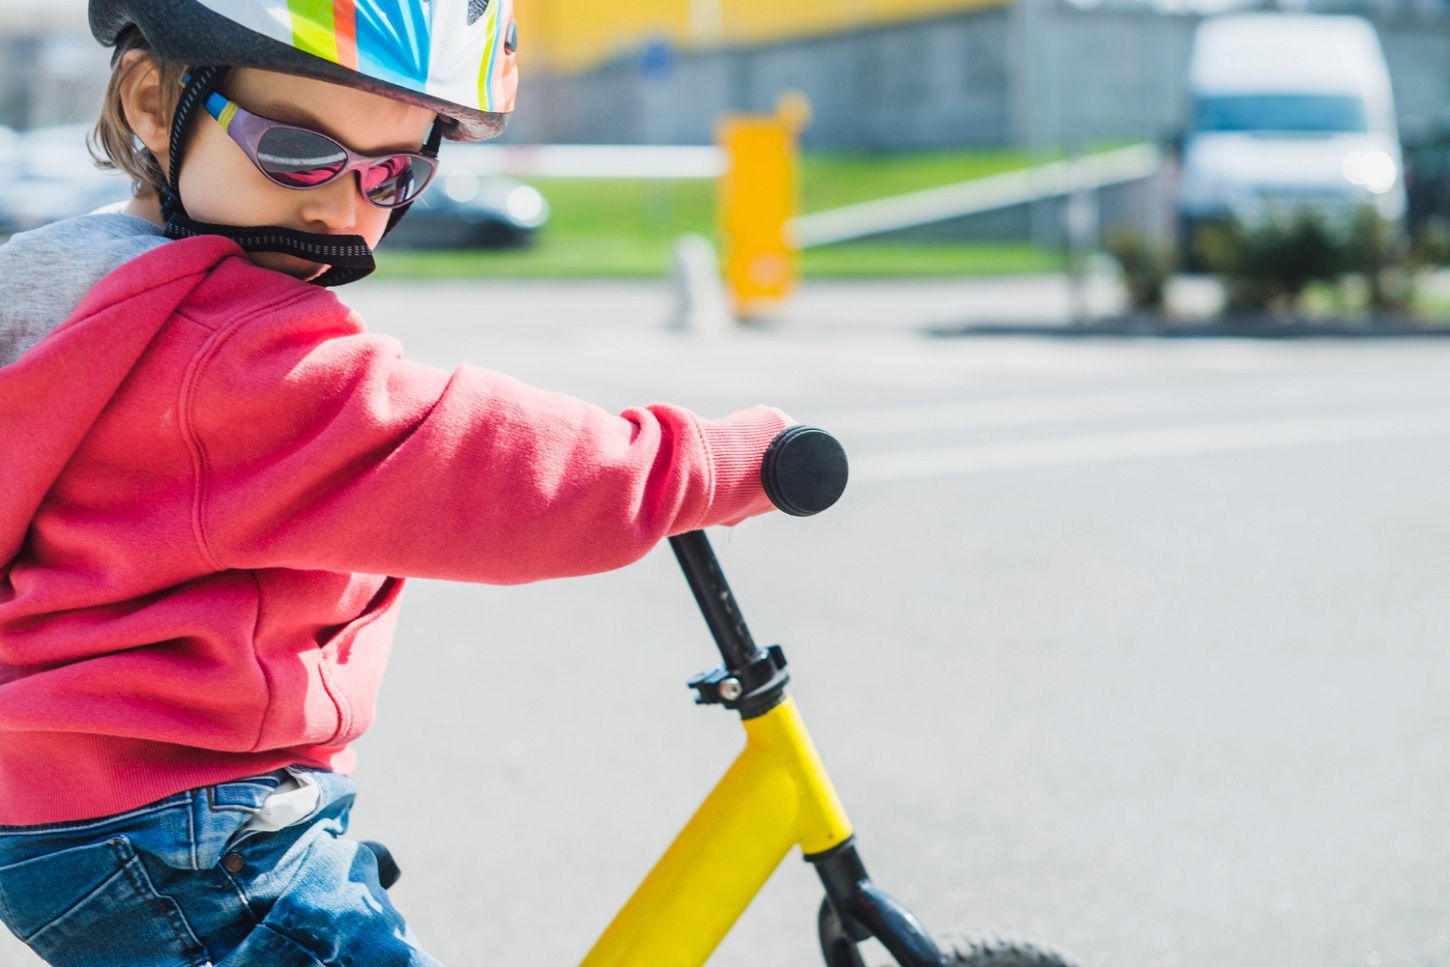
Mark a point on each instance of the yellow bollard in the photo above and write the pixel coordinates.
(758, 196)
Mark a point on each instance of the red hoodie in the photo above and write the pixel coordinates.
(212, 481)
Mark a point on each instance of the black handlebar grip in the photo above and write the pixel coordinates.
(804, 470)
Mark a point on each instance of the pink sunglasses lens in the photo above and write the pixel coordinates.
(396, 181)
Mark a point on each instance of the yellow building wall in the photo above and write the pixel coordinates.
(575, 34)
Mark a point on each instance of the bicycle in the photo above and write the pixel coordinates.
(777, 794)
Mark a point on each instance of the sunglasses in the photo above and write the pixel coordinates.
(296, 157)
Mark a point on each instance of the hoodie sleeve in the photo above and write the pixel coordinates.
(317, 446)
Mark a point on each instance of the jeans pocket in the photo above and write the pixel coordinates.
(197, 833)
(95, 906)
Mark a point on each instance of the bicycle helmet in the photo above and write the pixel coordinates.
(453, 57)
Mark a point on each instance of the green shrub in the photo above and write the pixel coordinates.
(1147, 266)
(1267, 266)
(1431, 243)
(1379, 252)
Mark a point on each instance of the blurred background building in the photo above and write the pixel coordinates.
(882, 75)
(909, 74)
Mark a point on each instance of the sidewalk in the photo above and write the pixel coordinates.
(935, 304)
(1043, 301)
(919, 305)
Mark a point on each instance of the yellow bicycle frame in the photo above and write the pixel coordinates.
(775, 796)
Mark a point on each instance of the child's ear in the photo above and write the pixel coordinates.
(143, 105)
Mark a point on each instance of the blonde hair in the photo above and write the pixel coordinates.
(112, 142)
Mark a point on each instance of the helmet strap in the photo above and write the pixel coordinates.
(348, 256)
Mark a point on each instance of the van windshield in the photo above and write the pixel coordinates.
(1280, 113)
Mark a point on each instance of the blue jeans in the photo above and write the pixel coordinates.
(179, 883)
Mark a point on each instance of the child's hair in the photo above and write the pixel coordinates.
(113, 144)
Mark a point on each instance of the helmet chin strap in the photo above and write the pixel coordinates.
(348, 256)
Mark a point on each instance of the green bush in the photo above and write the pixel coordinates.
(1147, 266)
(1267, 266)
(1431, 243)
(1379, 252)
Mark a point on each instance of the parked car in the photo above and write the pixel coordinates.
(53, 176)
(1290, 112)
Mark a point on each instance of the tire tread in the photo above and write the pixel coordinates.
(995, 950)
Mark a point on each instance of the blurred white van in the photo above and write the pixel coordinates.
(1289, 111)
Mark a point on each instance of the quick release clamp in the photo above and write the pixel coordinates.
(751, 690)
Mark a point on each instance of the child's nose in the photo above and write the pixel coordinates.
(334, 206)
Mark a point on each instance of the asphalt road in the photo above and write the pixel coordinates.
(1133, 646)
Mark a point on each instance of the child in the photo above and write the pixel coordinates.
(214, 480)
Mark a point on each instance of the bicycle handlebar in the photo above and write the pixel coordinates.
(804, 470)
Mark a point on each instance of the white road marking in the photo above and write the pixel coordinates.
(1157, 442)
(1089, 406)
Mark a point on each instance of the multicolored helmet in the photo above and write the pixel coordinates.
(454, 57)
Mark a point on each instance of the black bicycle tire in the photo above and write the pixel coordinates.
(992, 950)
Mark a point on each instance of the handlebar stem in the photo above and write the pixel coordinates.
(717, 603)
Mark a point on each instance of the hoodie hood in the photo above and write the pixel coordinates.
(56, 306)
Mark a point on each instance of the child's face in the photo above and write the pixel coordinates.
(220, 184)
